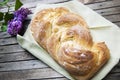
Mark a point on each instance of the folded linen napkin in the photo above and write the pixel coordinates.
(101, 30)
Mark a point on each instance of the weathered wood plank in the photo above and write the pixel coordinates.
(102, 5)
(5, 9)
(29, 4)
(11, 48)
(98, 1)
(116, 69)
(32, 64)
(29, 74)
(93, 6)
(115, 76)
(111, 14)
(95, 1)
(113, 18)
(26, 56)
(117, 23)
(58, 78)
(6, 41)
(109, 11)
(10, 3)
(4, 35)
(18, 56)
(42, 74)
(21, 65)
(43, 1)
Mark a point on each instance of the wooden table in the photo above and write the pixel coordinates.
(16, 63)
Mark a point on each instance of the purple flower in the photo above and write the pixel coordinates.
(14, 27)
(22, 13)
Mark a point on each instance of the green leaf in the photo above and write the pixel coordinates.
(4, 28)
(7, 17)
(18, 4)
(1, 16)
(4, 2)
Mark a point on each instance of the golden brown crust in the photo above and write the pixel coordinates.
(65, 35)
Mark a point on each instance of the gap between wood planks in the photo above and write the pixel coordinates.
(97, 5)
(10, 48)
(104, 5)
(22, 65)
(45, 73)
(97, 1)
(32, 64)
(8, 41)
(108, 10)
(30, 74)
(4, 35)
(57, 78)
(17, 56)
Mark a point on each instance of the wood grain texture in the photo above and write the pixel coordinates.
(18, 64)
(115, 76)
(4, 35)
(17, 56)
(21, 65)
(97, 1)
(113, 18)
(29, 74)
(10, 48)
(106, 4)
(117, 23)
(58, 78)
(97, 4)
(7, 41)
(109, 11)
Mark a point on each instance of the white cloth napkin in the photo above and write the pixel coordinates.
(101, 30)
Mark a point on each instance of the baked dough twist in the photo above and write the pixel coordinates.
(65, 35)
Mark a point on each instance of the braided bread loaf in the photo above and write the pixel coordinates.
(65, 35)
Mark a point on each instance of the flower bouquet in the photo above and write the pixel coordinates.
(13, 22)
